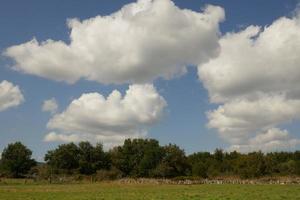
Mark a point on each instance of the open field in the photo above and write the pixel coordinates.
(114, 191)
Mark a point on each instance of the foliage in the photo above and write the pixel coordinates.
(173, 163)
(85, 158)
(137, 157)
(16, 160)
(146, 158)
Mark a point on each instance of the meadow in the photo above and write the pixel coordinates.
(119, 191)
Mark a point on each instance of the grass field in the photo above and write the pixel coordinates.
(114, 191)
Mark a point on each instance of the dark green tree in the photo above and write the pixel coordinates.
(92, 158)
(200, 162)
(137, 157)
(101, 158)
(173, 163)
(16, 160)
(252, 165)
(86, 158)
(65, 157)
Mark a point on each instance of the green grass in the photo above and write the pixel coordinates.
(114, 191)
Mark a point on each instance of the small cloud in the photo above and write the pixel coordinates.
(10, 95)
(54, 137)
(50, 105)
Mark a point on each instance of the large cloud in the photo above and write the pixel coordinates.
(256, 80)
(256, 60)
(140, 42)
(109, 120)
(10, 95)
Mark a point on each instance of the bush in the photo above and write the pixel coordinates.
(111, 174)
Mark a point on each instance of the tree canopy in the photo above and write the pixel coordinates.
(84, 157)
(16, 160)
(147, 158)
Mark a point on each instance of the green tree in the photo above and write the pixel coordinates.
(174, 162)
(200, 163)
(137, 157)
(219, 155)
(252, 165)
(16, 160)
(86, 158)
(101, 158)
(92, 158)
(65, 157)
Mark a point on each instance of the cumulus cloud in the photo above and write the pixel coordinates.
(272, 140)
(107, 141)
(140, 42)
(50, 105)
(10, 95)
(237, 120)
(53, 136)
(109, 120)
(256, 79)
(256, 60)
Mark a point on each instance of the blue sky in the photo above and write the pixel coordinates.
(184, 119)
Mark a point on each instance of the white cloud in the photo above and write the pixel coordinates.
(50, 105)
(110, 120)
(272, 140)
(10, 95)
(256, 80)
(140, 42)
(108, 141)
(53, 136)
(238, 120)
(256, 60)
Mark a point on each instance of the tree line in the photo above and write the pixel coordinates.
(145, 158)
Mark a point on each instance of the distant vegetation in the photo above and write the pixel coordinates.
(144, 158)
